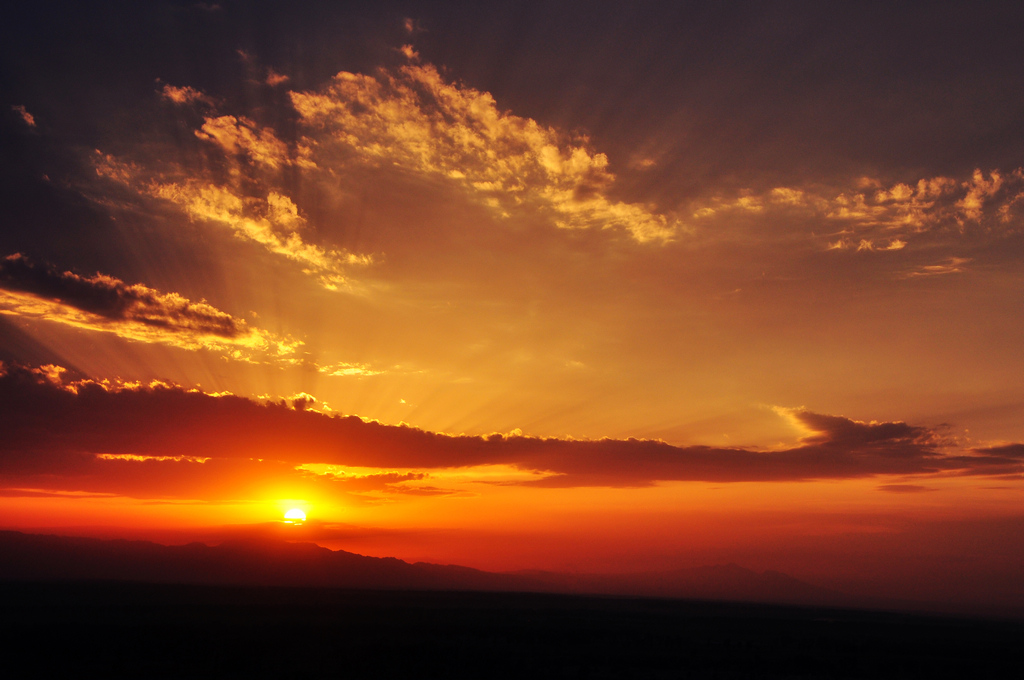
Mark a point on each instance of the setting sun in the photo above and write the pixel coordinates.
(294, 516)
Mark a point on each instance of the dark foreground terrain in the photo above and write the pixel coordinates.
(107, 629)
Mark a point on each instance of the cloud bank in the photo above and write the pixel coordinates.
(38, 290)
(55, 429)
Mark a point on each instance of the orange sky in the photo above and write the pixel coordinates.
(504, 304)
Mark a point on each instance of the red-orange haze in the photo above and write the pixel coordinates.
(657, 289)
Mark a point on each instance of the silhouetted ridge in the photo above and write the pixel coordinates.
(272, 562)
(264, 563)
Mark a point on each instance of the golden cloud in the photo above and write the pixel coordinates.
(931, 203)
(240, 135)
(273, 222)
(875, 218)
(414, 119)
(184, 95)
(350, 369)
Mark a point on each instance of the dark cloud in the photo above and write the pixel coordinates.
(426, 491)
(114, 299)
(904, 488)
(39, 493)
(1004, 462)
(132, 311)
(1008, 452)
(55, 429)
(836, 431)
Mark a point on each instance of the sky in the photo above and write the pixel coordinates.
(562, 285)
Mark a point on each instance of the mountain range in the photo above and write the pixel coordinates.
(269, 562)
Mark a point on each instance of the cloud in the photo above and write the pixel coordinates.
(413, 119)
(412, 26)
(138, 458)
(866, 245)
(1009, 458)
(831, 431)
(904, 488)
(349, 369)
(241, 136)
(56, 428)
(246, 175)
(39, 493)
(271, 219)
(133, 311)
(184, 95)
(952, 265)
(876, 218)
(273, 222)
(274, 78)
(979, 191)
(935, 202)
(392, 481)
(29, 119)
(1008, 450)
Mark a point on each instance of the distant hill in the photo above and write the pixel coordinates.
(720, 582)
(31, 557)
(244, 563)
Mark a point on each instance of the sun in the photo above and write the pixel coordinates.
(294, 516)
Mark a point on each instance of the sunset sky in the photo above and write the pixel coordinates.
(549, 285)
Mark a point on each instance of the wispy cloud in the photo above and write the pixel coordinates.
(259, 214)
(273, 222)
(952, 265)
(370, 480)
(415, 119)
(350, 369)
(133, 311)
(184, 95)
(274, 78)
(29, 119)
(904, 488)
(410, 118)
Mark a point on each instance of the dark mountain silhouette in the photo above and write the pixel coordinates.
(719, 582)
(248, 563)
(25, 557)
